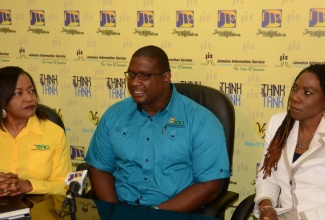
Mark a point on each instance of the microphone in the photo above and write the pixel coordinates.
(81, 167)
(76, 182)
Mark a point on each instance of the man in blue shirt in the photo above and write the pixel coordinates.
(157, 148)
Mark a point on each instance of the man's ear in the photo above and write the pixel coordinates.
(167, 77)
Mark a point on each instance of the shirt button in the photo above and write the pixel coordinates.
(147, 160)
(151, 119)
(148, 139)
(145, 178)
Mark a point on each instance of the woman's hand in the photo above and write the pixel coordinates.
(268, 214)
(25, 186)
(9, 184)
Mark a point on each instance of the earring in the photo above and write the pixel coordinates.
(4, 113)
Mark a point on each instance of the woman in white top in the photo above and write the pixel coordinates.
(291, 181)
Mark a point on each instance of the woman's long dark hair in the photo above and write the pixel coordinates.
(279, 140)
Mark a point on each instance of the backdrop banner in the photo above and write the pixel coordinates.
(77, 52)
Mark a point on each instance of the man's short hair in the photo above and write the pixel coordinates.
(155, 53)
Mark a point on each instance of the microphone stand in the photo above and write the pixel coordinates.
(71, 201)
(73, 208)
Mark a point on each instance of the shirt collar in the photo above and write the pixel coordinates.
(34, 125)
(172, 106)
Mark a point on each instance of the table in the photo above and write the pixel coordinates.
(88, 209)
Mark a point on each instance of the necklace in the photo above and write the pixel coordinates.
(302, 145)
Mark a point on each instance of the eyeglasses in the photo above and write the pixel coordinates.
(141, 76)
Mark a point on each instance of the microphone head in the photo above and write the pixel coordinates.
(74, 187)
(77, 177)
(83, 166)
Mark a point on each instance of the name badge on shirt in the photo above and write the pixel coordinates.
(40, 147)
(173, 122)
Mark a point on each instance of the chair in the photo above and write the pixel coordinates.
(218, 103)
(51, 115)
(245, 208)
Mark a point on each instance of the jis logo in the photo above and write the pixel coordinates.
(74, 176)
(107, 18)
(37, 18)
(185, 19)
(227, 18)
(284, 61)
(145, 19)
(77, 153)
(5, 17)
(271, 18)
(317, 17)
(71, 18)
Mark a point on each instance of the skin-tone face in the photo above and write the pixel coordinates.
(307, 101)
(23, 102)
(152, 93)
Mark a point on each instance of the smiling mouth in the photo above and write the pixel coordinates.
(135, 92)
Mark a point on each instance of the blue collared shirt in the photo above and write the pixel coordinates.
(155, 158)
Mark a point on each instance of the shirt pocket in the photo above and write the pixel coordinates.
(178, 146)
(40, 162)
(124, 142)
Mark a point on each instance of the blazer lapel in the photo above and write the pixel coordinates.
(290, 147)
(317, 144)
